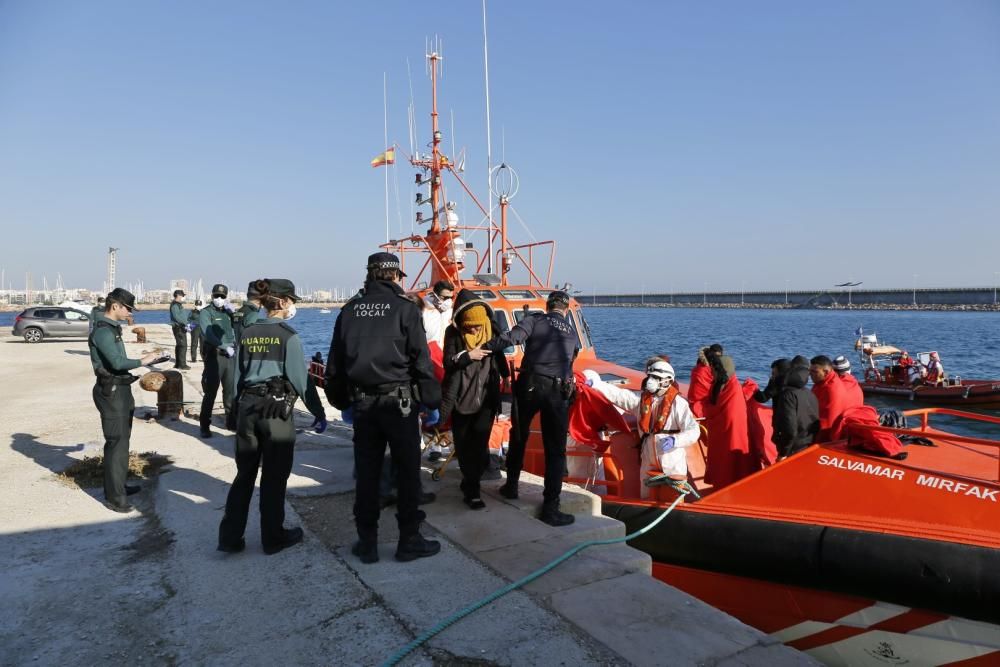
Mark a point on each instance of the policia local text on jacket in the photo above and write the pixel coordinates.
(378, 357)
(113, 395)
(545, 385)
(220, 362)
(271, 376)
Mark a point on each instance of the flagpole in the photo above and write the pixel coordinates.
(385, 142)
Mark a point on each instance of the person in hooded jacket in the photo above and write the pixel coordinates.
(471, 389)
(701, 384)
(796, 411)
(779, 368)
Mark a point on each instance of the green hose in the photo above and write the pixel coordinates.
(454, 618)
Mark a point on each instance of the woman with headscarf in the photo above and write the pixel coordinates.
(471, 389)
(729, 457)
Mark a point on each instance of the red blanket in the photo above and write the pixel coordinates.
(850, 426)
(729, 457)
(834, 399)
(760, 428)
(437, 360)
(699, 389)
(855, 395)
(592, 413)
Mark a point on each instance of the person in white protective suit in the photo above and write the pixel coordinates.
(437, 311)
(664, 419)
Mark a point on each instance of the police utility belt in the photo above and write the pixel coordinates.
(565, 386)
(107, 382)
(275, 398)
(391, 389)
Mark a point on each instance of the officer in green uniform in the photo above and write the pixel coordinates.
(179, 322)
(195, 330)
(216, 323)
(249, 312)
(112, 394)
(271, 375)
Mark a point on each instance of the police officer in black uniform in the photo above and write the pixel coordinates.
(216, 323)
(195, 328)
(178, 323)
(113, 395)
(271, 376)
(545, 385)
(379, 368)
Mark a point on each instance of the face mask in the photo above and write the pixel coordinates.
(218, 301)
(290, 311)
(444, 305)
(651, 385)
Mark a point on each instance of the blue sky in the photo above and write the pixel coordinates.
(662, 144)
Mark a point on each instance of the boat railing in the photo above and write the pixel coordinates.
(945, 438)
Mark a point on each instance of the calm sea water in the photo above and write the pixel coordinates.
(969, 343)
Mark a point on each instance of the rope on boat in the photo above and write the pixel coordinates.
(496, 595)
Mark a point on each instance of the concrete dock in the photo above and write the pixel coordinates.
(84, 585)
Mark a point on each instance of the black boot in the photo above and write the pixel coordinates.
(366, 550)
(551, 515)
(415, 546)
(292, 536)
(509, 490)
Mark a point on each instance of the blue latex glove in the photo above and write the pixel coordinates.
(230, 351)
(347, 415)
(432, 417)
(667, 444)
(589, 382)
(319, 424)
(228, 307)
(191, 326)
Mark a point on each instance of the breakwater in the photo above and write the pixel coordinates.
(974, 299)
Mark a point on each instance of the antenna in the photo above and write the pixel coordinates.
(385, 142)
(489, 149)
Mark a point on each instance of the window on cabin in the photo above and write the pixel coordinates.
(518, 294)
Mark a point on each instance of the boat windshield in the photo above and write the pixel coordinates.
(485, 294)
(517, 294)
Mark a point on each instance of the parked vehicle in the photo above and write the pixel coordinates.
(40, 322)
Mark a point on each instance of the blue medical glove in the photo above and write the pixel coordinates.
(589, 382)
(347, 415)
(667, 444)
(230, 351)
(319, 424)
(228, 307)
(190, 326)
(432, 417)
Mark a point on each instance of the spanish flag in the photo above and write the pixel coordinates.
(388, 157)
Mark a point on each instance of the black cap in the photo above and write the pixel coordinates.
(384, 260)
(179, 292)
(252, 291)
(557, 298)
(220, 290)
(281, 287)
(122, 296)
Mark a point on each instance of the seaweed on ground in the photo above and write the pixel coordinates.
(89, 472)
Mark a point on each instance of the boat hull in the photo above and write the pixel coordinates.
(950, 577)
(982, 394)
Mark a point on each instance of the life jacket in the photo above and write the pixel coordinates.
(650, 423)
(935, 372)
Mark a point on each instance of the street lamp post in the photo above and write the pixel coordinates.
(995, 280)
(915, 276)
(786, 292)
(743, 287)
(704, 295)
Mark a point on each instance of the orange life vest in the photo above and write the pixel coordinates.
(650, 423)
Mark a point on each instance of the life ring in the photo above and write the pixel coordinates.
(872, 375)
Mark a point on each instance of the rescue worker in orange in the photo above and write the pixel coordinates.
(935, 371)
(664, 419)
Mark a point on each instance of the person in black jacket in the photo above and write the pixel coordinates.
(471, 389)
(779, 368)
(379, 369)
(796, 411)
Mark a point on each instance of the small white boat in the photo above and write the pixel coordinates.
(325, 311)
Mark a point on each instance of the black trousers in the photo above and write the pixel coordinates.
(378, 422)
(116, 423)
(471, 434)
(268, 444)
(535, 394)
(195, 343)
(219, 371)
(180, 346)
